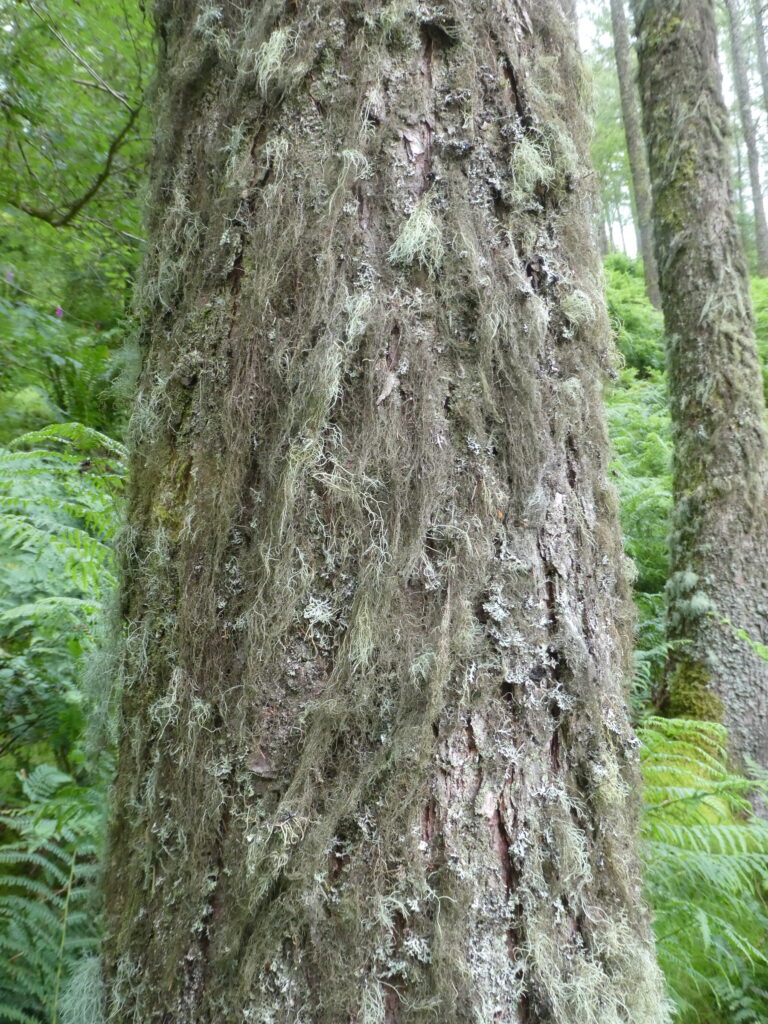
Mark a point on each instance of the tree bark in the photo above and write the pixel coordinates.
(762, 53)
(741, 83)
(719, 538)
(374, 760)
(638, 162)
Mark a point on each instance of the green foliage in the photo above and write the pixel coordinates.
(608, 150)
(51, 369)
(58, 492)
(639, 327)
(48, 912)
(73, 79)
(58, 488)
(640, 429)
(706, 869)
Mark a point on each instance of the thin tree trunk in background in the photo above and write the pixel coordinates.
(741, 199)
(604, 238)
(762, 52)
(741, 83)
(719, 538)
(638, 162)
(375, 765)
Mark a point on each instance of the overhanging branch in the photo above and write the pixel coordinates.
(59, 218)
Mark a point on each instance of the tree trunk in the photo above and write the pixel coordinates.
(374, 761)
(741, 83)
(743, 218)
(569, 7)
(719, 539)
(604, 239)
(762, 53)
(638, 162)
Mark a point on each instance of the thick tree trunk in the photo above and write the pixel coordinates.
(719, 540)
(375, 764)
(741, 83)
(762, 52)
(638, 162)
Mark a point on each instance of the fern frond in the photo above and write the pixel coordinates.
(47, 875)
(74, 435)
(706, 864)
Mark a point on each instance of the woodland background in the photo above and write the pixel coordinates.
(74, 83)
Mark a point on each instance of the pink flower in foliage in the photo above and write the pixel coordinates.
(59, 312)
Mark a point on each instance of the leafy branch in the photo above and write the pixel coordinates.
(60, 218)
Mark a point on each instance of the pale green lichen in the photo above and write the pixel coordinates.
(82, 999)
(578, 309)
(532, 167)
(269, 62)
(420, 240)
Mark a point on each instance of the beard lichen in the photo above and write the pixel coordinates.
(376, 646)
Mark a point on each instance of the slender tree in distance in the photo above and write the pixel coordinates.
(749, 130)
(762, 53)
(638, 162)
(374, 762)
(719, 538)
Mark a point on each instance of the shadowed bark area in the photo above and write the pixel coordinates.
(374, 760)
(638, 163)
(719, 539)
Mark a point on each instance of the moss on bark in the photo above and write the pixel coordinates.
(375, 764)
(719, 538)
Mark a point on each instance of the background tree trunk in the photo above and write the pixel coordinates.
(741, 83)
(638, 163)
(719, 540)
(762, 54)
(375, 764)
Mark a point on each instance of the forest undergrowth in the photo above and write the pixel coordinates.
(62, 473)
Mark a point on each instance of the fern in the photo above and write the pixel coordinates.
(706, 869)
(47, 867)
(59, 488)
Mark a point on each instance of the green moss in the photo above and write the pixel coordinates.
(690, 695)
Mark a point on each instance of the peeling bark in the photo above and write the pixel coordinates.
(375, 764)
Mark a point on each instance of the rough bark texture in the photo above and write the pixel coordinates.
(762, 52)
(638, 162)
(374, 760)
(719, 539)
(741, 83)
